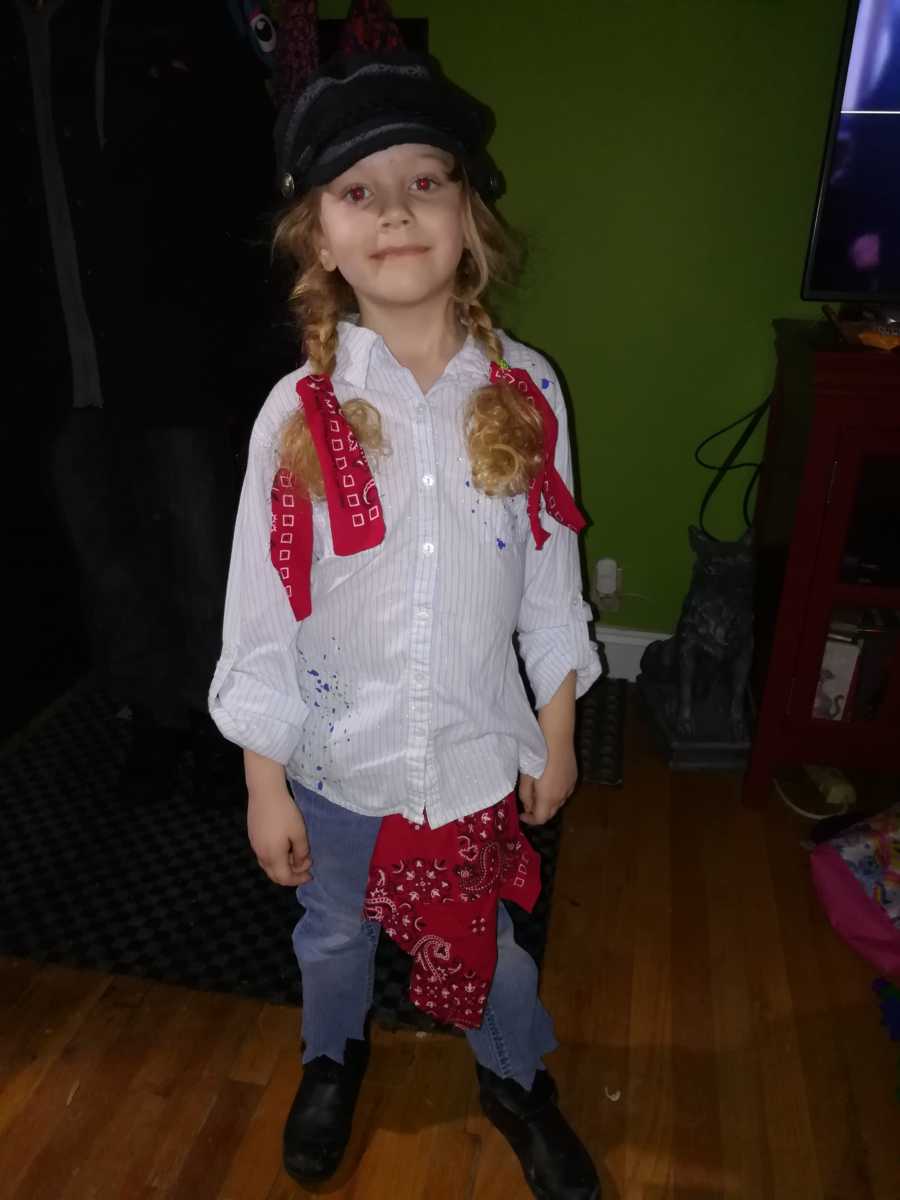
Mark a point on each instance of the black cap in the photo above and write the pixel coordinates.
(356, 106)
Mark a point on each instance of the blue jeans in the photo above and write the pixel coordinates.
(335, 949)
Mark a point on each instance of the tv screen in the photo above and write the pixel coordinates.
(854, 250)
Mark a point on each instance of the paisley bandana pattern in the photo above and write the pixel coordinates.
(435, 893)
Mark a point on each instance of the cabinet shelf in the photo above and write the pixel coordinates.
(832, 459)
(866, 595)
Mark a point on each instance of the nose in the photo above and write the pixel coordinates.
(395, 212)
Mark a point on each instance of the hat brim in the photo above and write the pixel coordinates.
(359, 143)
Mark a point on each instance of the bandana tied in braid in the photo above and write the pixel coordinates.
(354, 506)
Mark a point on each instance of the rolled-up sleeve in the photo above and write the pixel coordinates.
(553, 617)
(254, 697)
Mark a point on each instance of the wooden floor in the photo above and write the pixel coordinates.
(718, 1041)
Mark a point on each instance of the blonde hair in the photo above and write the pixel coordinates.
(503, 430)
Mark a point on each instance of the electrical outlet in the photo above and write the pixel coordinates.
(605, 601)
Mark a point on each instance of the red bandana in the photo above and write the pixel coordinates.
(435, 892)
(548, 483)
(354, 507)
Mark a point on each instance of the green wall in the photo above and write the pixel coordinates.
(662, 158)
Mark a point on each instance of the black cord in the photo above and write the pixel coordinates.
(753, 418)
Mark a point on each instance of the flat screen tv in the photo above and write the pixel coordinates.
(854, 248)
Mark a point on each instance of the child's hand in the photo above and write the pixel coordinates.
(543, 798)
(277, 834)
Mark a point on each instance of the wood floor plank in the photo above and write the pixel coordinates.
(217, 1029)
(37, 1027)
(607, 890)
(746, 1167)
(92, 1106)
(256, 1164)
(587, 976)
(276, 1027)
(648, 1090)
(127, 1140)
(795, 1166)
(697, 1136)
(55, 1114)
(435, 1107)
(213, 1149)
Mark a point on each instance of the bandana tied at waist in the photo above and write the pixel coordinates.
(435, 893)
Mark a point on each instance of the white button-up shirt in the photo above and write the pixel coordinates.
(401, 693)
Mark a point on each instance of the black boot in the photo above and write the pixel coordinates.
(556, 1164)
(318, 1125)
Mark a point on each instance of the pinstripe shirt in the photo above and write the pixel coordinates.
(400, 693)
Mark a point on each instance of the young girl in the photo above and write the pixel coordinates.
(406, 510)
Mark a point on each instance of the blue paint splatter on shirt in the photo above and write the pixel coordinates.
(545, 383)
(501, 545)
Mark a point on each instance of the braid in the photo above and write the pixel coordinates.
(476, 319)
(318, 311)
(317, 301)
(504, 432)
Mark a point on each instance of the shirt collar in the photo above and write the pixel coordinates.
(357, 346)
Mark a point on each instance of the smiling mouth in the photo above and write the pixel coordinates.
(400, 252)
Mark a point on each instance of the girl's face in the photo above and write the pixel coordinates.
(393, 226)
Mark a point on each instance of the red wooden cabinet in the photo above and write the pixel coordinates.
(827, 536)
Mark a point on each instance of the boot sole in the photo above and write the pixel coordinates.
(508, 1125)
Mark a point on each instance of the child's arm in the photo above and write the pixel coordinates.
(541, 798)
(275, 825)
(255, 696)
(560, 660)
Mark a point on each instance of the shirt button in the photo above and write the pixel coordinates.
(428, 480)
(422, 614)
(428, 548)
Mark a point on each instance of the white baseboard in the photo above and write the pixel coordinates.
(623, 648)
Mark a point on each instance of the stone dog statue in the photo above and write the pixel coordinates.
(706, 665)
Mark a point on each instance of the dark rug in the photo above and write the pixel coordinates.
(170, 891)
(600, 732)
